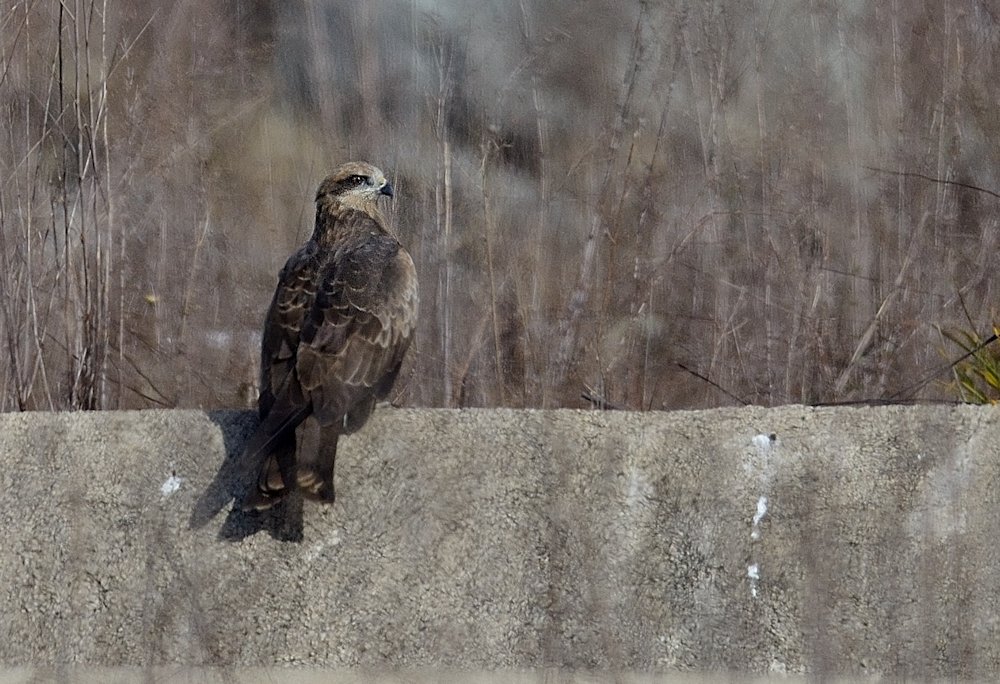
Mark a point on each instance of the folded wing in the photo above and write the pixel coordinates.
(360, 324)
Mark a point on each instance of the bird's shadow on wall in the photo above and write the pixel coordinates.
(283, 522)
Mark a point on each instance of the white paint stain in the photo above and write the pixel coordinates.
(758, 516)
(753, 572)
(171, 485)
(763, 443)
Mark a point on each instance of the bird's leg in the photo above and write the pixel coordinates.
(325, 459)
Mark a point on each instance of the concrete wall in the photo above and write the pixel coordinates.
(849, 541)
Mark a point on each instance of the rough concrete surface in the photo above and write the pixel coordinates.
(852, 542)
(220, 675)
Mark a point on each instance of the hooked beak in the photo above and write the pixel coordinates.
(386, 190)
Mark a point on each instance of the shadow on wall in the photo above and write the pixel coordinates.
(283, 522)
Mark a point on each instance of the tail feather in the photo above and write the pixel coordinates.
(270, 486)
(270, 457)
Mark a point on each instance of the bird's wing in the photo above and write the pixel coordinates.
(359, 326)
(293, 297)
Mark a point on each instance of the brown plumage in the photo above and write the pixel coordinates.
(341, 320)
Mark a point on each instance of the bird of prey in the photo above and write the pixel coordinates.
(341, 320)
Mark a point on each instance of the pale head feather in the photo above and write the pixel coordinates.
(356, 185)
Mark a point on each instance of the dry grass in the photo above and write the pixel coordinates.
(671, 205)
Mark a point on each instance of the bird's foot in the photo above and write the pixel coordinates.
(323, 493)
(259, 500)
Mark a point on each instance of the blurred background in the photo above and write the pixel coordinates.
(651, 205)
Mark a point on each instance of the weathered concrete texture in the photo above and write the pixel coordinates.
(293, 675)
(856, 541)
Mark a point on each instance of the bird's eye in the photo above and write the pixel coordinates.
(357, 180)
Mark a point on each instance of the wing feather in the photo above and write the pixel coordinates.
(359, 326)
(293, 298)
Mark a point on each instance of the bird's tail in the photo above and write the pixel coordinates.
(270, 456)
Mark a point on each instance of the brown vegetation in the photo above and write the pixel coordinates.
(658, 205)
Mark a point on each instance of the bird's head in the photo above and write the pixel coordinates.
(356, 185)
